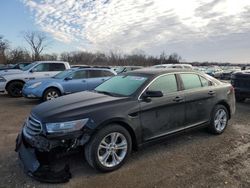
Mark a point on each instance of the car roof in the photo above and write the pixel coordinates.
(50, 62)
(158, 71)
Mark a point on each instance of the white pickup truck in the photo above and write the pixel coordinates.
(13, 80)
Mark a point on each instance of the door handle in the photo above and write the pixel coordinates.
(211, 92)
(178, 99)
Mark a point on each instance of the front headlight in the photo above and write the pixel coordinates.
(2, 79)
(35, 85)
(65, 127)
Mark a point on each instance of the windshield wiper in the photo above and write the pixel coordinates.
(105, 92)
(109, 93)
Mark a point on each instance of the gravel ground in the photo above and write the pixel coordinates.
(194, 159)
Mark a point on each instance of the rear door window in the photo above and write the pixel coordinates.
(205, 82)
(99, 73)
(81, 74)
(56, 66)
(165, 84)
(190, 81)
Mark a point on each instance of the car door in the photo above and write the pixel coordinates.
(96, 77)
(199, 96)
(76, 82)
(163, 115)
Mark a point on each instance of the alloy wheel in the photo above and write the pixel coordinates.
(112, 149)
(220, 120)
(52, 95)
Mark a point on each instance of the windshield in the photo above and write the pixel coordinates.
(121, 85)
(28, 66)
(63, 74)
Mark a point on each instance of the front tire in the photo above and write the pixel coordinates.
(219, 119)
(50, 94)
(14, 88)
(109, 148)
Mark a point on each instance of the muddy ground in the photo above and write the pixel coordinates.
(194, 159)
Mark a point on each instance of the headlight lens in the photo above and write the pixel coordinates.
(35, 85)
(2, 79)
(65, 127)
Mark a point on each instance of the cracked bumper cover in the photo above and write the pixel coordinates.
(29, 149)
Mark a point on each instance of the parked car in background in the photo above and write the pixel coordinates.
(227, 73)
(16, 66)
(124, 113)
(174, 66)
(80, 66)
(66, 82)
(122, 69)
(214, 71)
(241, 84)
(13, 80)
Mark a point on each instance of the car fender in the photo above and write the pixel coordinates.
(54, 85)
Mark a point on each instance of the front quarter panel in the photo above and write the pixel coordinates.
(125, 113)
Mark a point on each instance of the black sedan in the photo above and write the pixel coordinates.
(123, 114)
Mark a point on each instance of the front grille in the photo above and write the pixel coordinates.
(33, 127)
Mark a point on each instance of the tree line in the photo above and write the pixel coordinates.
(38, 42)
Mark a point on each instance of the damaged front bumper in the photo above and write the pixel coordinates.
(35, 157)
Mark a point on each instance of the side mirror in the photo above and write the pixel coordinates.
(33, 70)
(152, 94)
(68, 78)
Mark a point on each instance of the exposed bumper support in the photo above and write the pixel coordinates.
(35, 168)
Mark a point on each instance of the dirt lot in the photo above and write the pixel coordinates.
(194, 159)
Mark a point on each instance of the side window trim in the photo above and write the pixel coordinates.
(183, 87)
(164, 94)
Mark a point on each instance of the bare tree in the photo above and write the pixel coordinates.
(174, 58)
(4, 45)
(18, 55)
(37, 41)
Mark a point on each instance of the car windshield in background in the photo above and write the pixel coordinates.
(63, 74)
(121, 85)
(25, 68)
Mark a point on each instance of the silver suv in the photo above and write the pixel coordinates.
(12, 81)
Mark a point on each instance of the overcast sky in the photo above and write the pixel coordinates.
(203, 30)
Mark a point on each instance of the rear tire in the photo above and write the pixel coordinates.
(14, 89)
(219, 119)
(50, 94)
(106, 155)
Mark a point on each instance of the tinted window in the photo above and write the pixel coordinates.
(177, 66)
(56, 66)
(122, 85)
(166, 84)
(205, 82)
(43, 67)
(81, 74)
(99, 73)
(105, 73)
(190, 81)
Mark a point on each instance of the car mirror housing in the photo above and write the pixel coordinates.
(33, 70)
(152, 94)
(68, 78)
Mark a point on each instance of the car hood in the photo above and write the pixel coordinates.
(71, 107)
(43, 80)
(10, 71)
